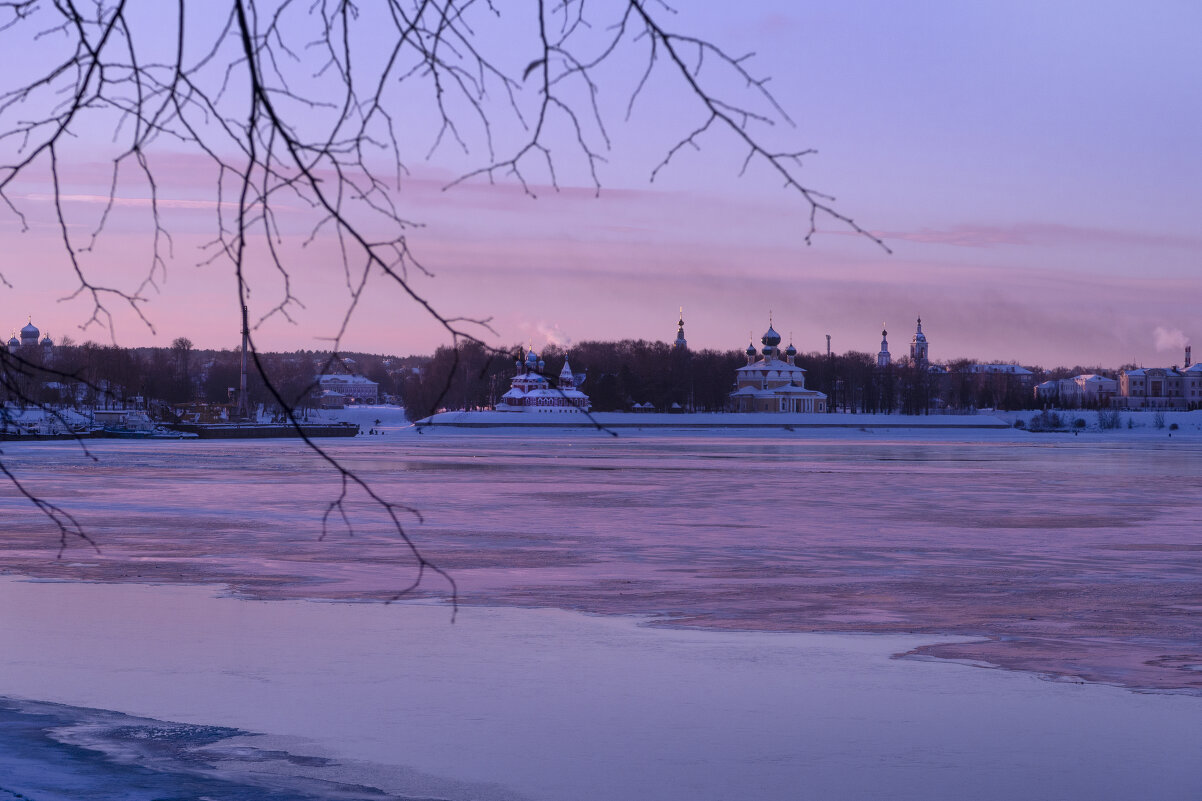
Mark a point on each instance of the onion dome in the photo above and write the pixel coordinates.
(750, 349)
(790, 351)
(531, 359)
(47, 341)
(30, 332)
(918, 335)
(770, 338)
(13, 342)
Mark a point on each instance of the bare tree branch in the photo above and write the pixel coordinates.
(299, 111)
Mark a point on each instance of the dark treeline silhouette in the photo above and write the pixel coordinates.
(91, 375)
(619, 375)
(629, 372)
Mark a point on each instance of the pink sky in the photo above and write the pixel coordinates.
(1034, 171)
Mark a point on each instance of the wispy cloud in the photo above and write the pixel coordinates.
(136, 202)
(985, 236)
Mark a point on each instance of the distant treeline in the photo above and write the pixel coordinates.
(622, 374)
(98, 375)
(619, 375)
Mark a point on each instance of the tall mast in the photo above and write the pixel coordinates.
(243, 406)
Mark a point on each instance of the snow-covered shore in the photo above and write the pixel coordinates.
(707, 421)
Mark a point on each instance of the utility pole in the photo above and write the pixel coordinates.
(243, 405)
(830, 377)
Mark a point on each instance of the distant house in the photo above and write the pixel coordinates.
(1062, 392)
(1096, 390)
(355, 388)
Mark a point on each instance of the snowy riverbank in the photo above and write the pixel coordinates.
(717, 421)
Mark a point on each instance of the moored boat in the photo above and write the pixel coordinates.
(235, 430)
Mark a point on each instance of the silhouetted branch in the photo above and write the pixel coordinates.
(306, 106)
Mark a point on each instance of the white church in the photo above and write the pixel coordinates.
(530, 391)
(773, 384)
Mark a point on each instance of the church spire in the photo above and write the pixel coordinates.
(680, 342)
(883, 358)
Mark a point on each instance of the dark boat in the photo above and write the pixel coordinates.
(244, 427)
(265, 430)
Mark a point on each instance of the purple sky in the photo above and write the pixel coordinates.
(1033, 166)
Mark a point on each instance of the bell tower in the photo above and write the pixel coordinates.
(919, 353)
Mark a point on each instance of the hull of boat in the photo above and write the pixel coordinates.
(266, 430)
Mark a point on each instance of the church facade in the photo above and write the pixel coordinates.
(772, 383)
(530, 391)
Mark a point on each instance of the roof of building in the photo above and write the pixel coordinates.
(1013, 369)
(345, 379)
(1142, 371)
(770, 365)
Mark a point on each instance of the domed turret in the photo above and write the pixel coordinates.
(770, 338)
(13, 343)
(30, 334)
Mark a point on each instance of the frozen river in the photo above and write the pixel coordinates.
(1070, 556)
(545, 704)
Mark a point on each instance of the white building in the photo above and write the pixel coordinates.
(1161, 387)
(772, 384)
(357, 388)
(1063, 392)
(530, 391)
(1097, 390)
(1153, 388)
(920, 353)
(1191, 385)
(1022, 373)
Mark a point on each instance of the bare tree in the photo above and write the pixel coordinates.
(321, 105)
